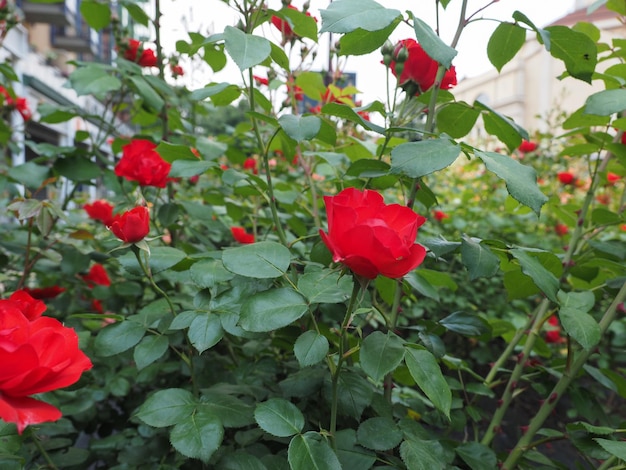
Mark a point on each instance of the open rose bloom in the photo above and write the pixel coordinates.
(371, 237)
(38, 354)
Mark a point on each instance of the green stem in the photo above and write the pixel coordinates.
(342, 349)
(607, 463)
(557, 392)
(42, 451)
(391, 325)
(507, 396)
(154, 285)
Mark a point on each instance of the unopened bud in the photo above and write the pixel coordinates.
(402, 55)
(387, 49)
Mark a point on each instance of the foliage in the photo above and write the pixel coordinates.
(210, 353)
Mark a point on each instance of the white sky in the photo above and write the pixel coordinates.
(211, 16)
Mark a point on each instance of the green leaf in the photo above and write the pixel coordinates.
(380, 354)
(149, 350)
(503, 127)
(96, 14)
(379, 434)
(302, 24)
(478, 259)
(310, 348)
(246, 50)
(576, 321)
(427, 374)
(346, 112)
(422, 285)
(279, 417)
(300, 128)
(432, 43)
(616, 448)
(149, 95)
(521, 180)
(350, 454)
(198, 436)
(606, 102)
(417, 159)
(187, 168)
(577, 51)
(280, 57)
(232, 412)
(543, 36)
(29, 174)
(208, 91)
(172, 152)
(422, 455)
(355, 393)
(209, 273)
(477, 456)
(541, 277)
(312, 84)
(272, 309)
(262, 260)
(205, 331)
(118, 337)
(94, 79)
(167, 407)
(310, 451)
(325, 286)
(164, 257)
(79, 169)
(345, 16)
(137, 13)
(465, 324)
(506, 41)
(360, 41)
(457, 119)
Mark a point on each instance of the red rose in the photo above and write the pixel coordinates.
(131, 226)
(30, 307)
(241, 236)
(370, 237)
(146, 58)
(141, 163)
(561, 230)
(419, 68)
(553, 335)
(97, 275)
(527, 146)
(6, 97)
(41, 293)
(613, 178)
(177, 70)
(250, 164)
(440, 215)
(37, 355)
(100, 210)
(22, 107)
(566, 177)
(261, 80)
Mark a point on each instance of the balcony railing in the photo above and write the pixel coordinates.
(61, 13)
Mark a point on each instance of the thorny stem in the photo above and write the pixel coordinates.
(566, 379)
(50, 464)
(342, 349)
(511, 386)
(146, 271)
(268, 175)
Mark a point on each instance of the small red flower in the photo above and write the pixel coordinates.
(177, 70)
(239, 234)
(613, 178)
(39, 355)
(100, 210)
(135, 52)
(440, 215)
(97, 276)
(21, 105)
(419, 68)
(42, 293)
(96, 305)
(527, 146)
(140, 162)
(131, 226)
(566, 177)
(261, 80)
(371, 237)
(251, 164)
(561, 230)
(553, 335)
